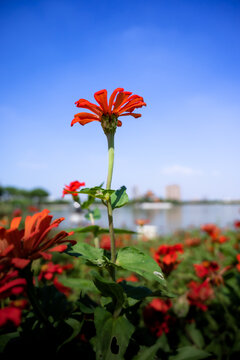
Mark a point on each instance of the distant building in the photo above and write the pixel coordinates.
(173, 192)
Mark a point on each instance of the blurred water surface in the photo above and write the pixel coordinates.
(166, 221)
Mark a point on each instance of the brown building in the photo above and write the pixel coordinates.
(173, 192)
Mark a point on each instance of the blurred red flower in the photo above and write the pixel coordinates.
(73, 186)
(237, 224)
(156, 316)
(192, 242)
(167, 257)
(19, 247)
(215, 233)
(206, 268)
(121, 103)
(11, 285)
(199, 294)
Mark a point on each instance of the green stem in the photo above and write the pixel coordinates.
(110, 138)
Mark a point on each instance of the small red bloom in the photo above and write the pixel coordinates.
(121, 103)
(199, 294)
(73, 186)
(167, 257)
(19, 247)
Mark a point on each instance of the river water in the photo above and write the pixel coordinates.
(165, 221)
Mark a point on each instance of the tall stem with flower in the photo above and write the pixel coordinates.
(121, 103)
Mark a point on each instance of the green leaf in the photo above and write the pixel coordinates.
(87, 252)
(97, 192)
(195, 335)
(78, 284)
(96, 230)
(190, 353)
(112, 335)
(119, 198)
(147, 353)
(92, 228)
(132, 259)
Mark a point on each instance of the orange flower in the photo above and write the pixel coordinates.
(19, 247)
(121, 103)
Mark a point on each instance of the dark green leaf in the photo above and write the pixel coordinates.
(135, 292)
(5, 338)
(148, 353)
(113, 335)
(119, 198)
(76, 328)
(109, 289)
(195, 335)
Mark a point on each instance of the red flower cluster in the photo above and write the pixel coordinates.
(167, 257)
(19, 247)
(121, 103)
(199, 294)
(156, 316)
(206, 268)
(73, 186)
(215, 233)
(50, 269)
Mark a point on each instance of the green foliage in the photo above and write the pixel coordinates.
(190, 353)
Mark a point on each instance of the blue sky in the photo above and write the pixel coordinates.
(182, 56)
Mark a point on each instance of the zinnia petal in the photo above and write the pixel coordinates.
(101, 98)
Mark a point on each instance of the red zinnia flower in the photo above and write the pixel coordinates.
(121, 103)
(19, 247)
(73, 186)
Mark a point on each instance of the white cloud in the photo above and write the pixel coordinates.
(180, 170)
